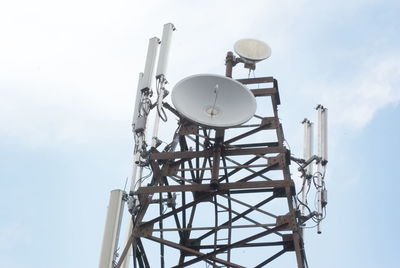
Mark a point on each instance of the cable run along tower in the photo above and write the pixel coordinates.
(220, 192)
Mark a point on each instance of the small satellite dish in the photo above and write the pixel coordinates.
(213, 101)
(252, 50)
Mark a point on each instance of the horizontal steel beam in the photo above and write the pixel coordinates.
(216, 228)
(247, 245)
(193, 252)
(209, 153)
(264, 92)
(220, 187)
(233, 245)
(258, 80)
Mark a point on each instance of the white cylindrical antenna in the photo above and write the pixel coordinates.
(323, 154)
(154, 139)
(137, 102)
(160, 75)
(319, 168)
(319, 110)
(308, 143)
(322, 133)
(307, 154)
(136, 161)
(324, 136)
(150, 62)
(164, 49)
(311, 142)
(112, 228)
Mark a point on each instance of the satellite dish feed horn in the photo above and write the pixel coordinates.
(213, 101)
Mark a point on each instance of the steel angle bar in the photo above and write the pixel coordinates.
(257, 173)
(192, 252)
(248, 133)
(175, 214)
(247, 205)
(239, 216)
(229, 239)
(181, 155)
(186, 206)
(249, 191)
(221, 187)
(209, 153)
(258, 80)
(225, 167)
(245, 126)
(216, 165)
(191, 219)
(247, 218)
(297, 240)
(240, 167)
(142, 253)
(247, 245)
(273, 257)
(176, 179)
(215, 228)
(184, 147)
(233, 245)
(260, 144)
(264, 92)
(124, 253)
(253, 151)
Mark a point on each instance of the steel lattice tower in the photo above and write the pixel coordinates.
(220, 193)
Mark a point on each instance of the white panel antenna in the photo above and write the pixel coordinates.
(322, 198)
(164, 49)
(308, 144)
(150, 62)
(137, 102)
(161, 78)
(323, 133)
(112, 229)
(308, 157)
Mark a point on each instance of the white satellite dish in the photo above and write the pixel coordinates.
(252, 50)
(213, 101)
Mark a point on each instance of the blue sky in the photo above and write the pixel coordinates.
(68, 72)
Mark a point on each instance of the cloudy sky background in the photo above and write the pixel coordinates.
(68, 74)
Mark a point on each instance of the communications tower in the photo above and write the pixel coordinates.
(220, 192)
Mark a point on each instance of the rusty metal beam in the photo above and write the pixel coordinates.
(233, 245)
(221, 187)
(248, 133)
(192, 252)
(247, 245)
(239, 216)
(258, 80)
(264, 92)
(273, 257)
(209, 153)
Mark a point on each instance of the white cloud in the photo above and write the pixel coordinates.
(356, 102)
(68, 74)
(68, 70)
